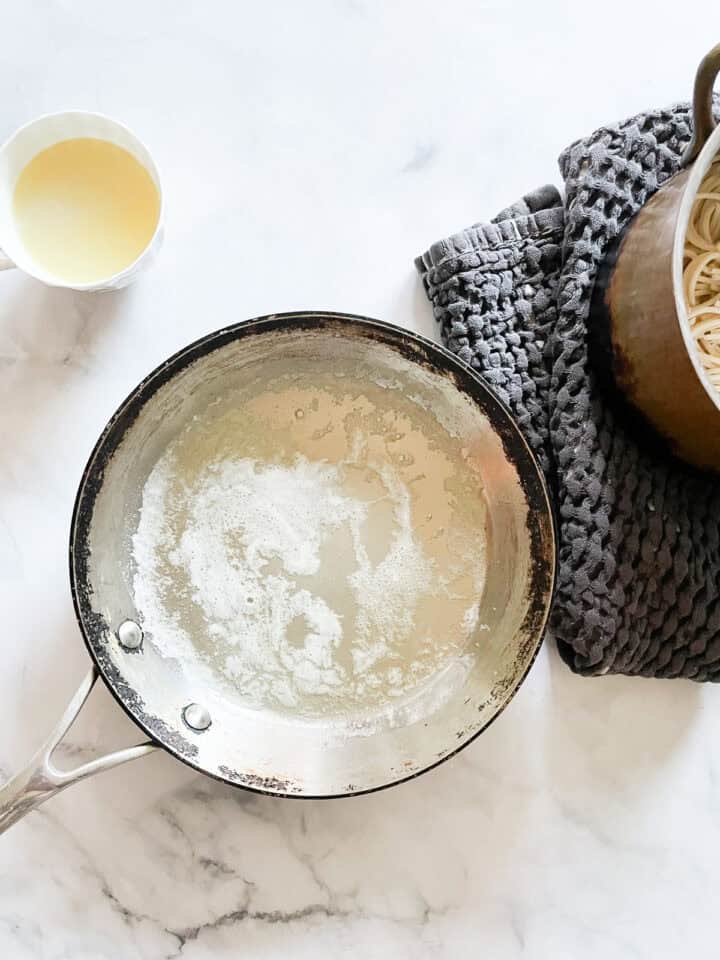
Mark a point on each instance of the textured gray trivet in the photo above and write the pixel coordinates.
(639, 533)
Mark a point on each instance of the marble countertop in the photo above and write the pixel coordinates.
(309, 152)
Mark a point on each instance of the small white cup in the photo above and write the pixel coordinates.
(40, 134)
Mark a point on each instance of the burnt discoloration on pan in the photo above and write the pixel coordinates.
(254, 781)
(414, 348)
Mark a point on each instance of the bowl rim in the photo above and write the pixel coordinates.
(697, 171)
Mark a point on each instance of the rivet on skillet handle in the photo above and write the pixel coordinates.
(41, 779)
(130, 635)
(197, 717)
(702, 105)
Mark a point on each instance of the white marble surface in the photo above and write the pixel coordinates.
(292, 137)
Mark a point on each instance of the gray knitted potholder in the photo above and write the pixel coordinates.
(639, 533)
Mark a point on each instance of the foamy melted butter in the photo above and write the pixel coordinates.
(322, 548)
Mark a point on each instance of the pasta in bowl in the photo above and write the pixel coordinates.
(701, 274)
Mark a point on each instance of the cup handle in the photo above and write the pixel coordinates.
(5, 262)
(702, 105)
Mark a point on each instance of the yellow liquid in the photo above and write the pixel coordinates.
(85, 209)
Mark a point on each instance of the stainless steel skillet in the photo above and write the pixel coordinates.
(192, 714)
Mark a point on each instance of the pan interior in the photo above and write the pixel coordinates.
(327, 547)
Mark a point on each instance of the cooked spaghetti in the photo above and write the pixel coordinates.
(701, 273)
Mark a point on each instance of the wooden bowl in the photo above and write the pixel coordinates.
(639, 316)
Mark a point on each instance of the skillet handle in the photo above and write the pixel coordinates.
(41, 779)
(702, 106)
(5, 262)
